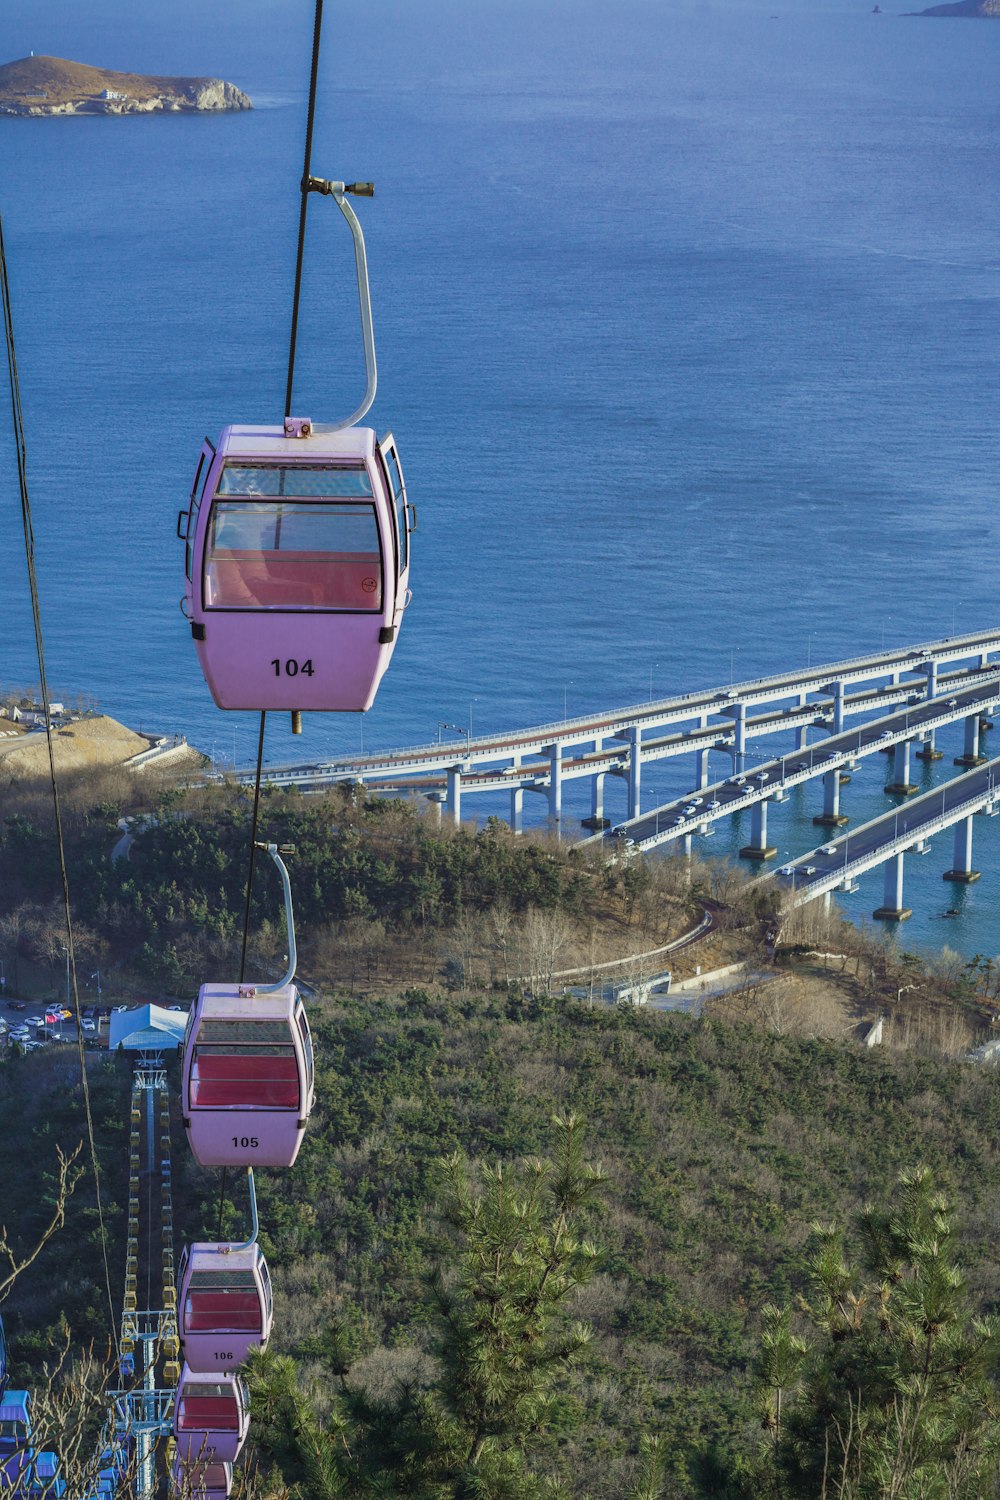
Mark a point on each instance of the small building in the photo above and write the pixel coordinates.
(148, 1029)
(111, 94)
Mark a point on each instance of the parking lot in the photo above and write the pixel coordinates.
(31, 1025)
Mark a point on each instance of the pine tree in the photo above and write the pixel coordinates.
(896, 1398)
(500, 1297)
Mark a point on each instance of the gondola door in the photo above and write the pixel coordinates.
(405, 521)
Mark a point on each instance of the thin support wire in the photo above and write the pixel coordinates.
(29, 548)
(304, 206)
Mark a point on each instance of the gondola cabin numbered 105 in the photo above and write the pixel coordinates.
(247, 1076)
(297, 565)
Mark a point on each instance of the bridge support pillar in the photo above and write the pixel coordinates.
(831, 816)
(892, 908)
(739, 713)
(555, 788)
(901, 785)
(930, 751)
(962, 872)
(758, 847)
(597, 820)
(517, 809)
(803, 731)
(435, 799)
(634, 771)
(454, 798)
(972, 756)
(838, 707)
(701, 762)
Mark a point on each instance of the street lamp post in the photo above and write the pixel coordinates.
(458, 729)
(97, 975)
(68, 1006)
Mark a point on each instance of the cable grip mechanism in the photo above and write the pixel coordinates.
(337, 189)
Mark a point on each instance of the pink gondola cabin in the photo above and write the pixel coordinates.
(194, 1481)
(247, 1084)
(225, 1305)
(297, 565)
(211, 1417)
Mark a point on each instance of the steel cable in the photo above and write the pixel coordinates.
(29, 548)
(292, 342)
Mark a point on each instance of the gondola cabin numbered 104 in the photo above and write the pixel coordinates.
(297, 565)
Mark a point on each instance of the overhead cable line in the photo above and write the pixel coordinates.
(29, 548)
(306, 186)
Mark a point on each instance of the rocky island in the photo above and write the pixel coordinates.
(988, 9)
(55, 86)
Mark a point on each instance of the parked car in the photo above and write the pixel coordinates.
(88, 1025)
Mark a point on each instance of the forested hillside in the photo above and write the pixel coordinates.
(382, 894)
(720, 1146)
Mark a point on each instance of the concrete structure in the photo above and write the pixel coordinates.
(887, 840)
(620, 742)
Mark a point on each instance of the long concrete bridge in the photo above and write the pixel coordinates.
(893, 733)
(890, 838)
(724, 720)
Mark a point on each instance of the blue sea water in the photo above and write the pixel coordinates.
(687, 320)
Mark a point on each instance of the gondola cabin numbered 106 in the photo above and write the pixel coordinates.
(297, 565)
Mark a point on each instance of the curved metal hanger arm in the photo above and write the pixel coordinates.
(289, 975)
(338, 191)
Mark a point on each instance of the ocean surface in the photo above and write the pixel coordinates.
(688, 321)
